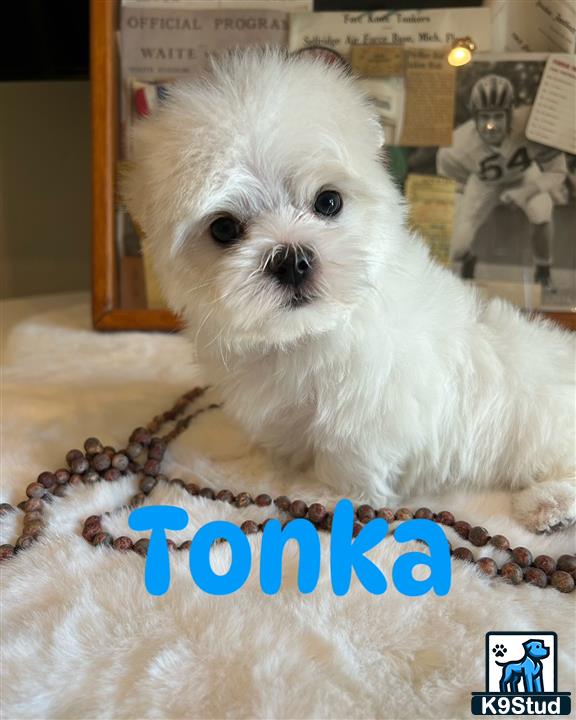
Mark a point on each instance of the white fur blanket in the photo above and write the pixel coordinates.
(82, 638)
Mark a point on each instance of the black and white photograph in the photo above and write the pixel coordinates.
(515, 200)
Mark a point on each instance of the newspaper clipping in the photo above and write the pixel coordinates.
(413, 88)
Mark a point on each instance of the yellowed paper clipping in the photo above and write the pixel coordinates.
(429, 98)
(431, 202)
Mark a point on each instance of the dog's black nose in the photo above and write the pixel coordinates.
(292, 266)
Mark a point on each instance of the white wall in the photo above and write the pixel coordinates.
(45, 186)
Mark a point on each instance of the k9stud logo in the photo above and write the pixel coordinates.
(521, 670)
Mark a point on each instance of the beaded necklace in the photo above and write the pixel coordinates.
(143, 456)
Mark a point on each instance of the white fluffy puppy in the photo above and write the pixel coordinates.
(335, 340)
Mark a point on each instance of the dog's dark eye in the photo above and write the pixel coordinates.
(225, 230)
(328, 203)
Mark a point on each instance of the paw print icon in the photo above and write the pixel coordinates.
(499, 650)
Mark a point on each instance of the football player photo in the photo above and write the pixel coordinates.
(496, 166)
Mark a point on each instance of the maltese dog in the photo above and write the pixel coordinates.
(336, 341)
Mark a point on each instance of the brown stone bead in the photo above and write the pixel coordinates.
(567, 563)
(386, 514)
(48, 479)
(112, 475)
(62, 476)
(31, 517)
(134, 450)
(478, 536)
(522, 556)
(424, 514)
(316, 512)
(6, 552)
(512, 572)
(91, 476)
(35, 490)
(26, 541)
(174, 481)
(120, 462)
(207, 493)
(365, 513)
(89, 533)
(171, 545)
(500, 542)
(225, 496)
(545, 563)
(298, 509)
(185, 545)
(249, 527)
(110, 451)
(92, 519)
(487, 566)
(356, 529)
(326, 523)
(93, 446)
(152, 467)
(6, 508)
(137, 500)
(34, 505)
(263, 500)
(141, 546)
(147, 484)
(141, 435)
(102, 538)
(243, 499)
(562, 581)
(75, 479)
(101, 462)
(73, 455)
(462, 553)
(282, 503)
(60, 491)
(462, 528)
(33, 529)
(21, 505)
(192, 488)
(404, 514)
(79, 465)
(445, 518)
(535, 576)
(122, 543)
(156, 450)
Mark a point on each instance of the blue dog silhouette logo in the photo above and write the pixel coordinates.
(521, 676)
(527, 670)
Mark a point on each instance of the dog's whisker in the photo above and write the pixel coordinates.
(204, 321)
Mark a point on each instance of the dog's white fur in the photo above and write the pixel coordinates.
(398, 378)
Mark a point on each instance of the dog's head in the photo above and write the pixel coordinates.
(267, 211)
(536, 649)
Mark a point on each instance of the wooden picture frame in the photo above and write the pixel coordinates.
(107, 312)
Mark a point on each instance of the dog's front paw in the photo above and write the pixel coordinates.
(547, 506)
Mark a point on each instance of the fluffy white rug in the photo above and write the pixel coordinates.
(82, 638)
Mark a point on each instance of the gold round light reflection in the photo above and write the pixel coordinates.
(459, 56)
